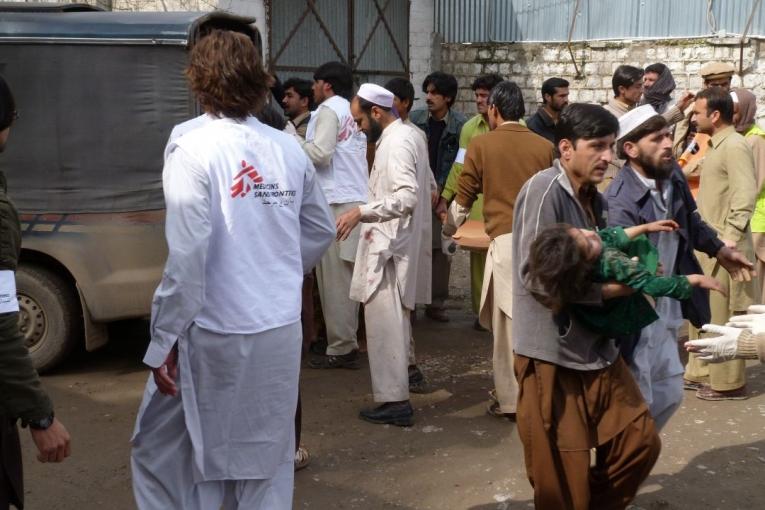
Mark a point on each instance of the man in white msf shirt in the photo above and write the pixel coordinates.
(245, 220)
(394, 250)
(338, 150)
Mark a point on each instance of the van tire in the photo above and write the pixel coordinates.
(49, 315)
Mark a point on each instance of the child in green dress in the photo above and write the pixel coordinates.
(564, 260)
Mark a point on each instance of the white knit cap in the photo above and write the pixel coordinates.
(634, 119)
(376, 94)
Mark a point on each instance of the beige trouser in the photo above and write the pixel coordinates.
(505, 383)
(720, 376)
(333, 277)
(389, 340)
(496, 298)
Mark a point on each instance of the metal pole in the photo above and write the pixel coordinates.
(743, 37)
(570, 35)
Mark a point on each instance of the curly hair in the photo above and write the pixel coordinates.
(557, 267)
(226, 75)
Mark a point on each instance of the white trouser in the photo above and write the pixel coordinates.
(389, 340)
(333, 277)
(497, 303)
(230, 431)
(163, 478)
(657, 368)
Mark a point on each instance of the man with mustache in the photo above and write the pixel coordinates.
(588, 439)
(727, 196)
(651, 187)
(442, 127)
(715, 75)
(476, 126)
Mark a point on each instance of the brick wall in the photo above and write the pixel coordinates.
(529, 64)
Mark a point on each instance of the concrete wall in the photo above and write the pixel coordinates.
(424, 44)
(529, 64)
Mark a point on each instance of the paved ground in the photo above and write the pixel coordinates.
(455, 457)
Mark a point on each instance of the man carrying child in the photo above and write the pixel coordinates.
(588, 438)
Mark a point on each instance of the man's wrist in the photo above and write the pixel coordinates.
(364, 211)
(41, 423)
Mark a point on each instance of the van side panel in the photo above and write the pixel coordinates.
(116, 259)
(93, 123)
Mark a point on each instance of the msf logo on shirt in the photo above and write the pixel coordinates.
(347, 129)
(245, 181)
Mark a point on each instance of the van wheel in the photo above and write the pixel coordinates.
(49, 315)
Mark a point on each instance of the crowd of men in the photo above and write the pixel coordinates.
(358, 197)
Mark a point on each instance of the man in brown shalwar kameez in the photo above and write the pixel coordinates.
(588, 438)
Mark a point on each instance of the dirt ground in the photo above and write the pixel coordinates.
(455, 457)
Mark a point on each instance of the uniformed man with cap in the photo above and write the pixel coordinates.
(394, 249)
(714, 74)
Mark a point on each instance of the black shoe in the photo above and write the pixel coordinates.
(436, 314)
(350, 360)
(417, 381)
(400, 414)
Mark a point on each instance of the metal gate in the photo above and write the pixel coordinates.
(372, 36)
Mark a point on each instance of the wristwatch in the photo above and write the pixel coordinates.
(41, 424)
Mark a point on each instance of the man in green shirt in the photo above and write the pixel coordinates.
(477, 125)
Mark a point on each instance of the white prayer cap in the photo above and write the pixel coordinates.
(634, 119)
(376, 94)
(734, 96)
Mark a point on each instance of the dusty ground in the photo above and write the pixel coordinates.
(455, 457)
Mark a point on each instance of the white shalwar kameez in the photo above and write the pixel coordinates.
(245, 220)
(656, 361)
(393, 256)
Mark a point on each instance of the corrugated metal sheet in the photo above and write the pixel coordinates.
(370, 48)
(309, 42)
(380, 53)
(549, 20)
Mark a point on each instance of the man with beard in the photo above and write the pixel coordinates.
(477, 125)
(651, 187)
(554, 99)
(727, 196)
(393, 251)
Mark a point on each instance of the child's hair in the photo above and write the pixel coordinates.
(558, 267)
